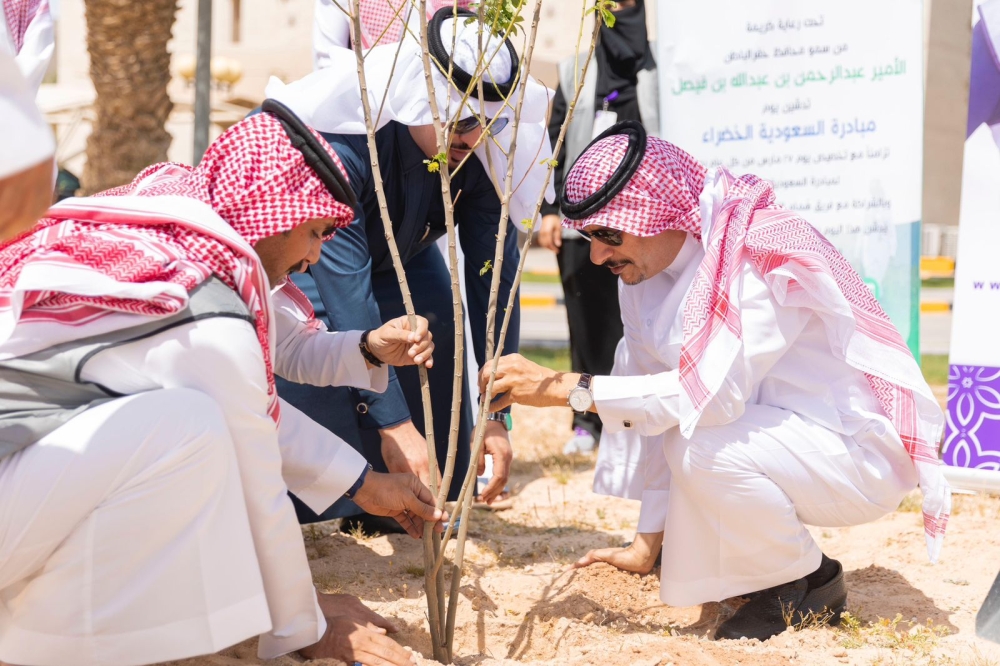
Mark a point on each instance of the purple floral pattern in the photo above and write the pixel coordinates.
(972, 437)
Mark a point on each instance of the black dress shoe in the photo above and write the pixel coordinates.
(821, 596)
(371, 525)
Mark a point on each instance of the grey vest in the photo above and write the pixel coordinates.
(581, 130)
(41, 391)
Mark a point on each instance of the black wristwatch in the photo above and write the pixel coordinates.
(367, 353)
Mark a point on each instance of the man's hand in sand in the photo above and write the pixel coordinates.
(357, 635)
(400, 496)
(639, 557)
(334, 605)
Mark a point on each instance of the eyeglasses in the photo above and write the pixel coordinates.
(466, 125)
(607, 236)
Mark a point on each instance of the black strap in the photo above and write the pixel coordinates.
(492, 91)
(636, 150)
(313, 151)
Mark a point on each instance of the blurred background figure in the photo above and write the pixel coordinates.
(26, 150)
(26, 143)
(26, 33)
(620, 84)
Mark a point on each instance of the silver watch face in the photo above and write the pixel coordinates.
(580, 399)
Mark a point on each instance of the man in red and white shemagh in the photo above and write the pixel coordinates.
(27, 33)
(145, 459)
(759, 386)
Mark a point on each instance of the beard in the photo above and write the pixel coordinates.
(629, 280)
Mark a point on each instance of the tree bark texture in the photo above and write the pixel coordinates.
(130, 69)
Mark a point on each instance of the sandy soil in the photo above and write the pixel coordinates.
(520, 605)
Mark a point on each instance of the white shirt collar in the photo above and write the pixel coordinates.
(687, 253)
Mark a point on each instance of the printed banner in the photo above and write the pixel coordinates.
(824, 99)
(973, 435)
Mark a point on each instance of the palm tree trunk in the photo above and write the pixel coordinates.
(130, 69)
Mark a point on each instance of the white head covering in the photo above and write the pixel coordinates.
(329, 100)
(25, 139)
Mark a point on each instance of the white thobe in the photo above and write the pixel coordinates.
(158, 526)
(36, 50)
(794, 436)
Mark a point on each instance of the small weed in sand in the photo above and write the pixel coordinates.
(912, 503)
(896, 634)
(415, 571)
(809, 621)
(562, 475)
(358, 533)
(977, 658)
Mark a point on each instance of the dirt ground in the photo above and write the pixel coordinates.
(521, 605)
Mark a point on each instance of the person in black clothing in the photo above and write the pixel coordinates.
(620, 85)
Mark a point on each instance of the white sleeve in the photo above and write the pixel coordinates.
(630, 465)
(645, 404)
(307, 353)
(318, 466)
(331, 30)
(650, 404)
(618, 471)
(222, 358)
(656, 487)
(37, 48)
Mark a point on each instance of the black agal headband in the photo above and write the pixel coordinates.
(493, 91)
(313, 151)
(619, 179)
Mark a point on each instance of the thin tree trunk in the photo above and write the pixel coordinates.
(130, 69)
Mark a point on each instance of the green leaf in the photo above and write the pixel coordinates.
(552, 162)
(528, 225)
(487, 267)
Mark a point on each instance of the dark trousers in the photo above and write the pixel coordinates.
(335, 408)
(595, 320)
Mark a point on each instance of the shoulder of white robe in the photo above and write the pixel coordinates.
(26, 139)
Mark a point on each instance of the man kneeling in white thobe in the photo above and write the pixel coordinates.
(145, 459)
(764, 386)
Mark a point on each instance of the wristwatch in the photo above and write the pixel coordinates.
(367, 353)
(501, 417)
(581, 399)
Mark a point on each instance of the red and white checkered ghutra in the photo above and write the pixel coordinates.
(795, 260)
(130, 251)
(382, 21)
(19, 14)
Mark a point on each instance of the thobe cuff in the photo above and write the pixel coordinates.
(648, 404)
(653, 512)
(305, 631)
(344, 469)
